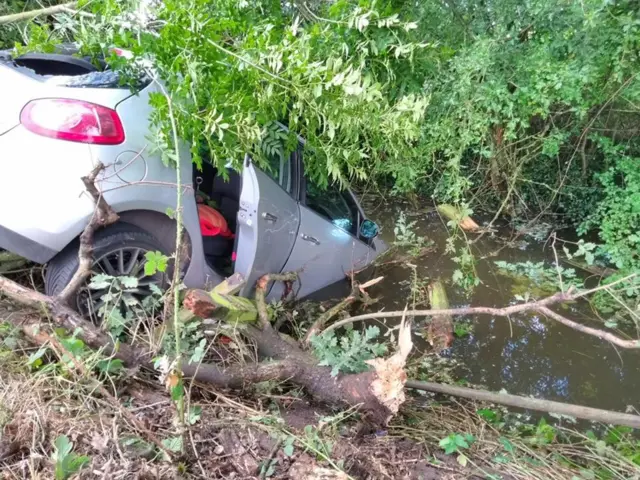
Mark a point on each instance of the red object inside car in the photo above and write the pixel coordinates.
(212, 222)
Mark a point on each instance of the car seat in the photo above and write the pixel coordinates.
(226, 195)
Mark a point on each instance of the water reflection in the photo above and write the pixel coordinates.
(526, 354)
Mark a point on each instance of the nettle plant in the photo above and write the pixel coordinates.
(350, 352)
(120, 308)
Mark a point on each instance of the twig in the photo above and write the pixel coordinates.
(540, 306)
(322, 320)
(103, 215)
(267, 461)
(358, 292)
(31, 14)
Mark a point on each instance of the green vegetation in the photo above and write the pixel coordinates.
(350, 352)
(66, 462)
(521, 109)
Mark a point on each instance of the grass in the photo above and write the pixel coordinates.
(234, 434)
(272, 432)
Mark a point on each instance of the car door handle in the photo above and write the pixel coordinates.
(269, 217)
(308, 238)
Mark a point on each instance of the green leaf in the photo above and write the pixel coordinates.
(35, 359)
(63, 446)
(488, 414)
(156, 262)
(173, 444)
(195, 412)
(111, 366)
(506, 444)
(128, 282)
(288, 450)
(100, 281)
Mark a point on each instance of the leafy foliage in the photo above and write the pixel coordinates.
(545, 278)
(523, 107)
(66, 463)
(120, 307)
(406, 237)
(349, 353)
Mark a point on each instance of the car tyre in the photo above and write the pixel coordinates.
(121, 237)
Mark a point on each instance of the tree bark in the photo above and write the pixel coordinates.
(103, 215)
(540, 306)
(31, 14)
(578, 411)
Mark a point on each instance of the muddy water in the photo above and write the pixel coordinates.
(529, 355)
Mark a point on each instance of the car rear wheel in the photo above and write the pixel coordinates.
(118, 251)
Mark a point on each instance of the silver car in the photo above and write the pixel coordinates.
(60, 114)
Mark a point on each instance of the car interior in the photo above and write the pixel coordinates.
(223, 195)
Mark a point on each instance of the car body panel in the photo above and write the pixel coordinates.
(324, 253)
(20, 85)
(41, 179)
(268, 223)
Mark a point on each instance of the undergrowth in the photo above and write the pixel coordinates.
(65, 430)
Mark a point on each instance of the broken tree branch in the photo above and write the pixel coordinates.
(578, 411)
(103, 215)
(356, 389)
(31, 14)
(358, 293)
(540, 306)
(261, 291)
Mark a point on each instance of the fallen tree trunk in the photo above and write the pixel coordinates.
(578, 411)
(464, 221)
(378, 392)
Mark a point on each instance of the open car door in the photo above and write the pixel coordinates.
(268, 219)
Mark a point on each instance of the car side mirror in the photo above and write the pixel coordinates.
(369, 229)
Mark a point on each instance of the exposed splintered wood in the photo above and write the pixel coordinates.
(464, 221)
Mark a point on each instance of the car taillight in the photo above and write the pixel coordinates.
(73, 120)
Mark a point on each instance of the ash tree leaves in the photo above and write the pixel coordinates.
(234, 68)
